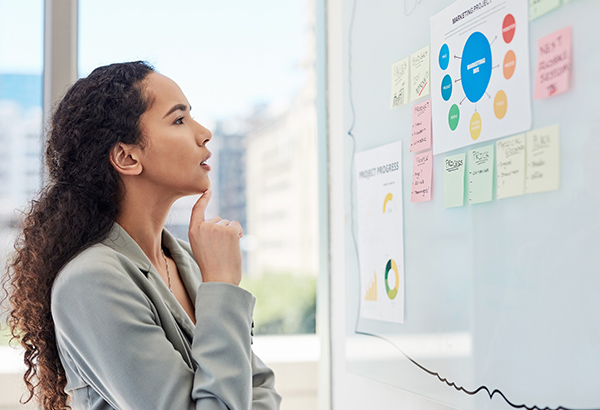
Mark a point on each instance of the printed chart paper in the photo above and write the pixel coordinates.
(454, 180)
(553, 74)
(419, 74)
(380, 232)
(480, 86)
(421, 127)
(400, 87)
(422, 174)
(543, 160)
(481, 174)
(510, 166)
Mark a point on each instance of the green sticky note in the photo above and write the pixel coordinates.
(510, 166)
(454, 180)
(538, 8)
(480, 162)
(543, 160)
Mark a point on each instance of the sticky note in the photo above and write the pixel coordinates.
(422, 172)
(480, 162)
(421, 127)
(510, 166)
(543, 160)
(400, 88)
(419, 74)
(538, 8)
(454, 180)
(553, 74)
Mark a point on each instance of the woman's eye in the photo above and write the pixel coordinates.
(179, 121)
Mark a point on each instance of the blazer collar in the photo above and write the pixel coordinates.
(119, 240)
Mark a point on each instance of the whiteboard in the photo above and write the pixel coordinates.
(503, 297)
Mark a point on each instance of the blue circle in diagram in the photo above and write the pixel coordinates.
(444, 57)
(476, 66)
(446, 87)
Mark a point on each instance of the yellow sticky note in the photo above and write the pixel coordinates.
(543, 160)
(510, 166)
(419, 74)
(400, 88)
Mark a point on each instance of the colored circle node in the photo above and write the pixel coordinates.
(392, 292)
(500, 104)
(444, 58)
(475, 126)
(476, 66)
(446, 87)
(508, 28)
(453, 117)
(510, 62)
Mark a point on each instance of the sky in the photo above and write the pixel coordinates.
(21, 36)
(226, 55)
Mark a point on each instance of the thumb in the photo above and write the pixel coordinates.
(199, 208)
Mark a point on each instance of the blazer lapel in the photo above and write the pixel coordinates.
(119, 239)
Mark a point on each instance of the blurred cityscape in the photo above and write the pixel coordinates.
(264, 175)
(264, 172)
(20, 141)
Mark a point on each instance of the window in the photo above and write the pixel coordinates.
(21, 42)
(249, 72)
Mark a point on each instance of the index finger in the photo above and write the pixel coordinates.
(199, 208)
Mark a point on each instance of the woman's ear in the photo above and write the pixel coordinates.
(125, 159)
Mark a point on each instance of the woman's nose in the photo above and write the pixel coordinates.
(204, 135)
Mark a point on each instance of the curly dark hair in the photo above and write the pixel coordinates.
(74, 210)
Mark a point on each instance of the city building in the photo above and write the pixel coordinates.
(20, 141)
(281, 180)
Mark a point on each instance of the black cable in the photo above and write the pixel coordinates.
(442, 379)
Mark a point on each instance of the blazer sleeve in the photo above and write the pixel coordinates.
(107, 327)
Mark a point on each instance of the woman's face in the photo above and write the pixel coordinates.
(175, 152)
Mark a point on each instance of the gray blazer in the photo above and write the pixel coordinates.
(126, 343)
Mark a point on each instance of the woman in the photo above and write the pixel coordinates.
(111, 309)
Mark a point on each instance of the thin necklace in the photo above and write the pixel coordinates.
(167, 265)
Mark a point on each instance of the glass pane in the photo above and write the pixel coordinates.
(21, 61)
(248, 70)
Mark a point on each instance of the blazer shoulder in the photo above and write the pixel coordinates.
(98, 263)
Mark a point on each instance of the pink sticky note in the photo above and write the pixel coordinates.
(553, 74)
(421, 127)
(421, 181)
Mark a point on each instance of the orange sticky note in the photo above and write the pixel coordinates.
(553, 74)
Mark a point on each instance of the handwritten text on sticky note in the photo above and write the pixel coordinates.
(481, 174)
(422, 172)
(419, 74)
(510, 166)
(421, 127)
(543, 160)
(454, 180)
(553, 75)
(400, 88)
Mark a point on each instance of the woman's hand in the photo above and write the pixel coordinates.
(216, 245)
